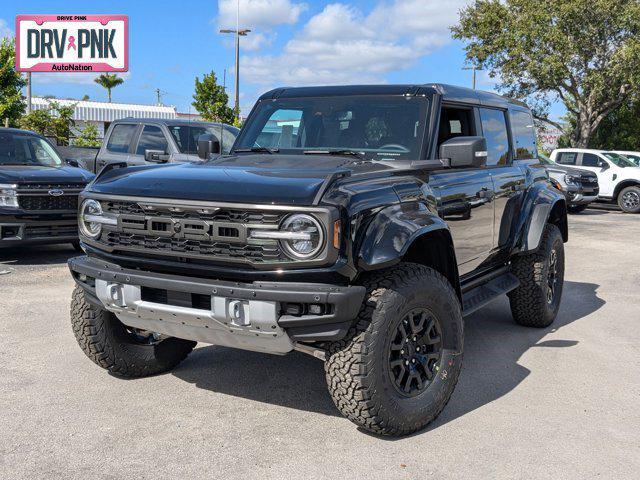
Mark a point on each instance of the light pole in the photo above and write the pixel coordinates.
(475, 69)
(238, 33)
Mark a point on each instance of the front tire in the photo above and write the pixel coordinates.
(398, 366)
(116, 348)
(535, 303)
(629, 199)
(577, 208)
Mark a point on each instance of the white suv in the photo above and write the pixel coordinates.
(633, 156)
(618, 177)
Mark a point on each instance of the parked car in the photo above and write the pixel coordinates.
(618, 177)
(364, 241)
(140, 141)
(633, 156)
(38, 191)
(580, 187)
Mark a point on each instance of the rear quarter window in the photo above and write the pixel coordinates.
(121, 137)
(524, 135)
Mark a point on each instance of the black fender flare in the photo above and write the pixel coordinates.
(393, 230)
(541, 205)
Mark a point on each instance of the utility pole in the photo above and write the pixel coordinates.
(238, 33)
(475, 69)
(158, 96)
(28, 92)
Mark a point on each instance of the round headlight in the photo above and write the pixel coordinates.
(306, 236)
(87, 227)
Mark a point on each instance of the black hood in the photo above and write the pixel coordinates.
(21, 174)
(251, 178)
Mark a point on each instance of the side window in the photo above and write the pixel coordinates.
(455, 122)
(524, 135)
(152, 138)
(494, 129)
(567, 158)
(120, 138)
(591, 160)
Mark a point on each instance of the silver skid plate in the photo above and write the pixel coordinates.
(245, 324)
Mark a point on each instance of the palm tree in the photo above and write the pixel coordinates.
(109, 81)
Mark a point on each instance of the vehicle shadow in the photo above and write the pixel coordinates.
(36, 255)
(493, 345)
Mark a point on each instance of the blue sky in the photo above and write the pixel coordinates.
(292, 43)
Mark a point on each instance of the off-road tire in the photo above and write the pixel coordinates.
(529, 302)
(357, 368)
(577, 208)
(632, 190)
(106, 341)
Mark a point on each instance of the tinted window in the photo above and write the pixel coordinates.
(494, 128)
(523, 134)
(152, 138)
(567, 158)
(455, 122)
(120, 138)
(590, 160)
(17, 149)
(378, 126)
(186, 137)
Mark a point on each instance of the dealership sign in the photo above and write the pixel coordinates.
(72, 43)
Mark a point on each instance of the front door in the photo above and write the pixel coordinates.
(603, 169)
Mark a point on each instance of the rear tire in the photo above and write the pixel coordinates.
(398, 366)
(577, 208)
(535, 303)
(112, 346)
(629, 199)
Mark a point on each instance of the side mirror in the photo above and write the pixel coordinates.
(464, 152)
(604, 165)
(207, 145)
(71, 162)
(156, 156)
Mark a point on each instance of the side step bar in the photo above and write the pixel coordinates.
(478, 297)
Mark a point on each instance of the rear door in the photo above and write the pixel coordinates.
(465, 196)
(117, 145)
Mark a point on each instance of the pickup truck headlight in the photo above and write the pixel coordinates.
(8, 195)
(91, 219)
(571, 180)
(300, 235)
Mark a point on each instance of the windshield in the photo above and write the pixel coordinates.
(186, 136)
(24, 149)
(544, 159)
(378, 126)
(619, 160)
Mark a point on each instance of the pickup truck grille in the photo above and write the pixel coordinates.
(191, 232)
(47, 202)
(46, 197)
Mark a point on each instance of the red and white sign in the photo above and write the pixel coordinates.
(72, 43)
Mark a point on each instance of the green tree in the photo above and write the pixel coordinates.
(88, 137)
(109, 81)
(56, 121)
(211, 101)
(585, 53)
(620, 130)
(12, 104)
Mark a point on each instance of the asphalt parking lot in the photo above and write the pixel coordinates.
(562, 402)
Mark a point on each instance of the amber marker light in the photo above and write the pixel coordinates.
(336, 233)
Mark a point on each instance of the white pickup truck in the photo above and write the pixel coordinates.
(618, 177)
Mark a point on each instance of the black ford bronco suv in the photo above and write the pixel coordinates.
(356, 223)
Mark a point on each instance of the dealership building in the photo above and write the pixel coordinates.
(101, 114)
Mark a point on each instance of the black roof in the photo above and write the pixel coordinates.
(449, 93)
(18, 130)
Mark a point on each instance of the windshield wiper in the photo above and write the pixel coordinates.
(353, 153)
(256, 150)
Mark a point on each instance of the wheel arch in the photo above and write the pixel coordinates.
(541, 206)
(622, 185)
(416, 235)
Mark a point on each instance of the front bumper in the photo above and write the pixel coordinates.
(250, 316)
(19, 231)
(579, 195)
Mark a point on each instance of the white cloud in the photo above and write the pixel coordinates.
(341, 44)
(5, 30)
(259, 13)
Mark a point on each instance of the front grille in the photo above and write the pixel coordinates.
(51, 186)
(215, 215)
(215, 250)
(48, 202)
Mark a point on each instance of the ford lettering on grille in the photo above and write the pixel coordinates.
(190, 229)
